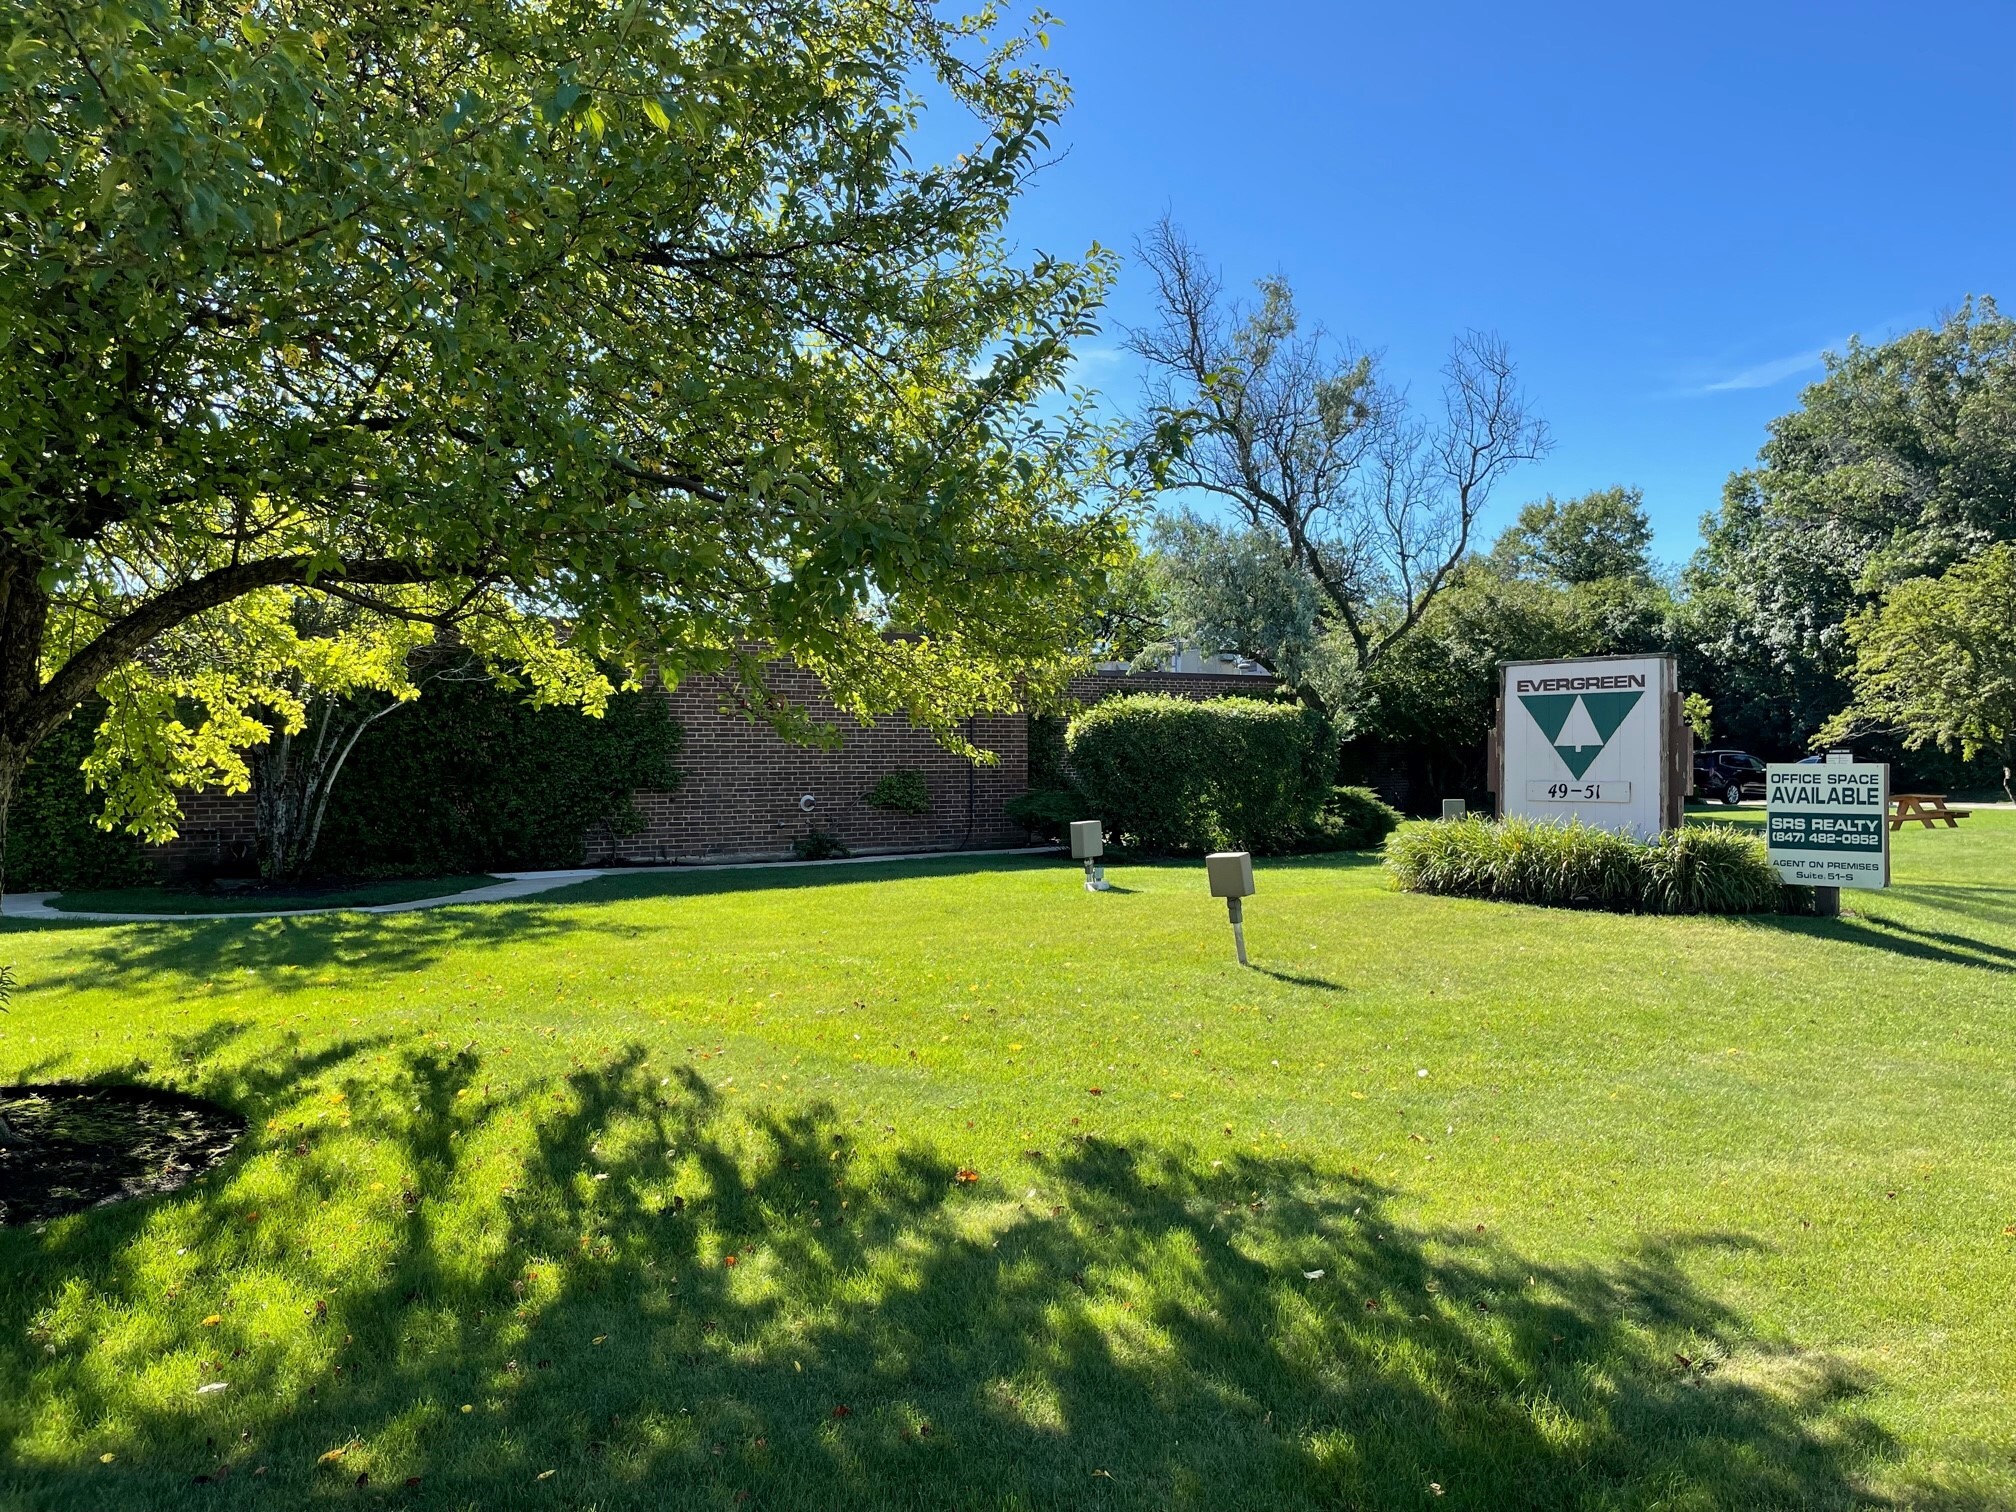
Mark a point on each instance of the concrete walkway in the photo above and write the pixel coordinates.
(35, 905)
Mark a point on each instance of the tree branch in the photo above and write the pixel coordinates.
(120, 641)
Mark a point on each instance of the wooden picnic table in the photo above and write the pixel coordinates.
(1927, 808)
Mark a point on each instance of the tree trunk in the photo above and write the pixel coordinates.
(9, 767)
(293, 777)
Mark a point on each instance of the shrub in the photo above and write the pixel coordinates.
(819, 845)
(900, 792)
(1180, 775)
(1710, 869)
(1046, 812)
(1353, 818)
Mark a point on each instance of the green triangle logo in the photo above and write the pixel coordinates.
(1601, 715)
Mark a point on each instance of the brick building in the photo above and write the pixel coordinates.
(747, 794)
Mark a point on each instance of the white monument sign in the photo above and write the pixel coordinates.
(1827, 825)
(1599, 739)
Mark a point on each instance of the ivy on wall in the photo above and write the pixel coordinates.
(900, 792)
(53, 839)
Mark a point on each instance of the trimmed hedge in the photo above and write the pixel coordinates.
(1183, 775)
(472, 778)
(1701, 869)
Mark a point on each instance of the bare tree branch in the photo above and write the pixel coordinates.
(1298, 433)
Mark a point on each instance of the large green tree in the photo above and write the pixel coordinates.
(1935, 663)
(1899, 463)
(1427, 707)
(658, 323)
(1602, 534)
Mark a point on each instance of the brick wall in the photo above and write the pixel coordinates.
(216, 831)
(740, 797)
(742, 785)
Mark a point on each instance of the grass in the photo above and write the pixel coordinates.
(189, 900)
(1448, 1203)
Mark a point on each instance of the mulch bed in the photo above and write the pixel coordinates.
(86, 1146)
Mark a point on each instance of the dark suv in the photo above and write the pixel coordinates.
(1730, 776)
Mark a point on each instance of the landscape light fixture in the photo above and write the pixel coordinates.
(1231, 877)
(1088, 844)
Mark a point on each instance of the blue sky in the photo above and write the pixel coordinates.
(1668, 212)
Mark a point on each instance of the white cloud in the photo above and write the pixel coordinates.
(1765, 374)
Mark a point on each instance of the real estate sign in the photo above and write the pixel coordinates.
(1599, 739)
(1828, 826)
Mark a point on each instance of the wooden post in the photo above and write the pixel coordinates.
(1494, 759)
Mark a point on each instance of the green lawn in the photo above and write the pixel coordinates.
(651, 1193)
(187, 900)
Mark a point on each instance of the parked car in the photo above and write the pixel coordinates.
(1730, 776)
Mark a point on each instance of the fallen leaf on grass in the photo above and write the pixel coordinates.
(1096, 1091)
(966, 1176)
(1314, 1275)
(106, 1459)
(599, 1339)
(213, 1320)
(843, 1411)
(330, 1457)
(543, 1475)
(731, 1261)
(212, 1387)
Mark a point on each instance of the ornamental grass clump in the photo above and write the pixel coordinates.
(1712, 869)
(1715, 868)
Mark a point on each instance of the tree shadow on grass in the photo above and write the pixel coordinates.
(1894, 938)
(1988, 905)
(2001, 955)
(288, 954)
(622, 886)
(545, 1286)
